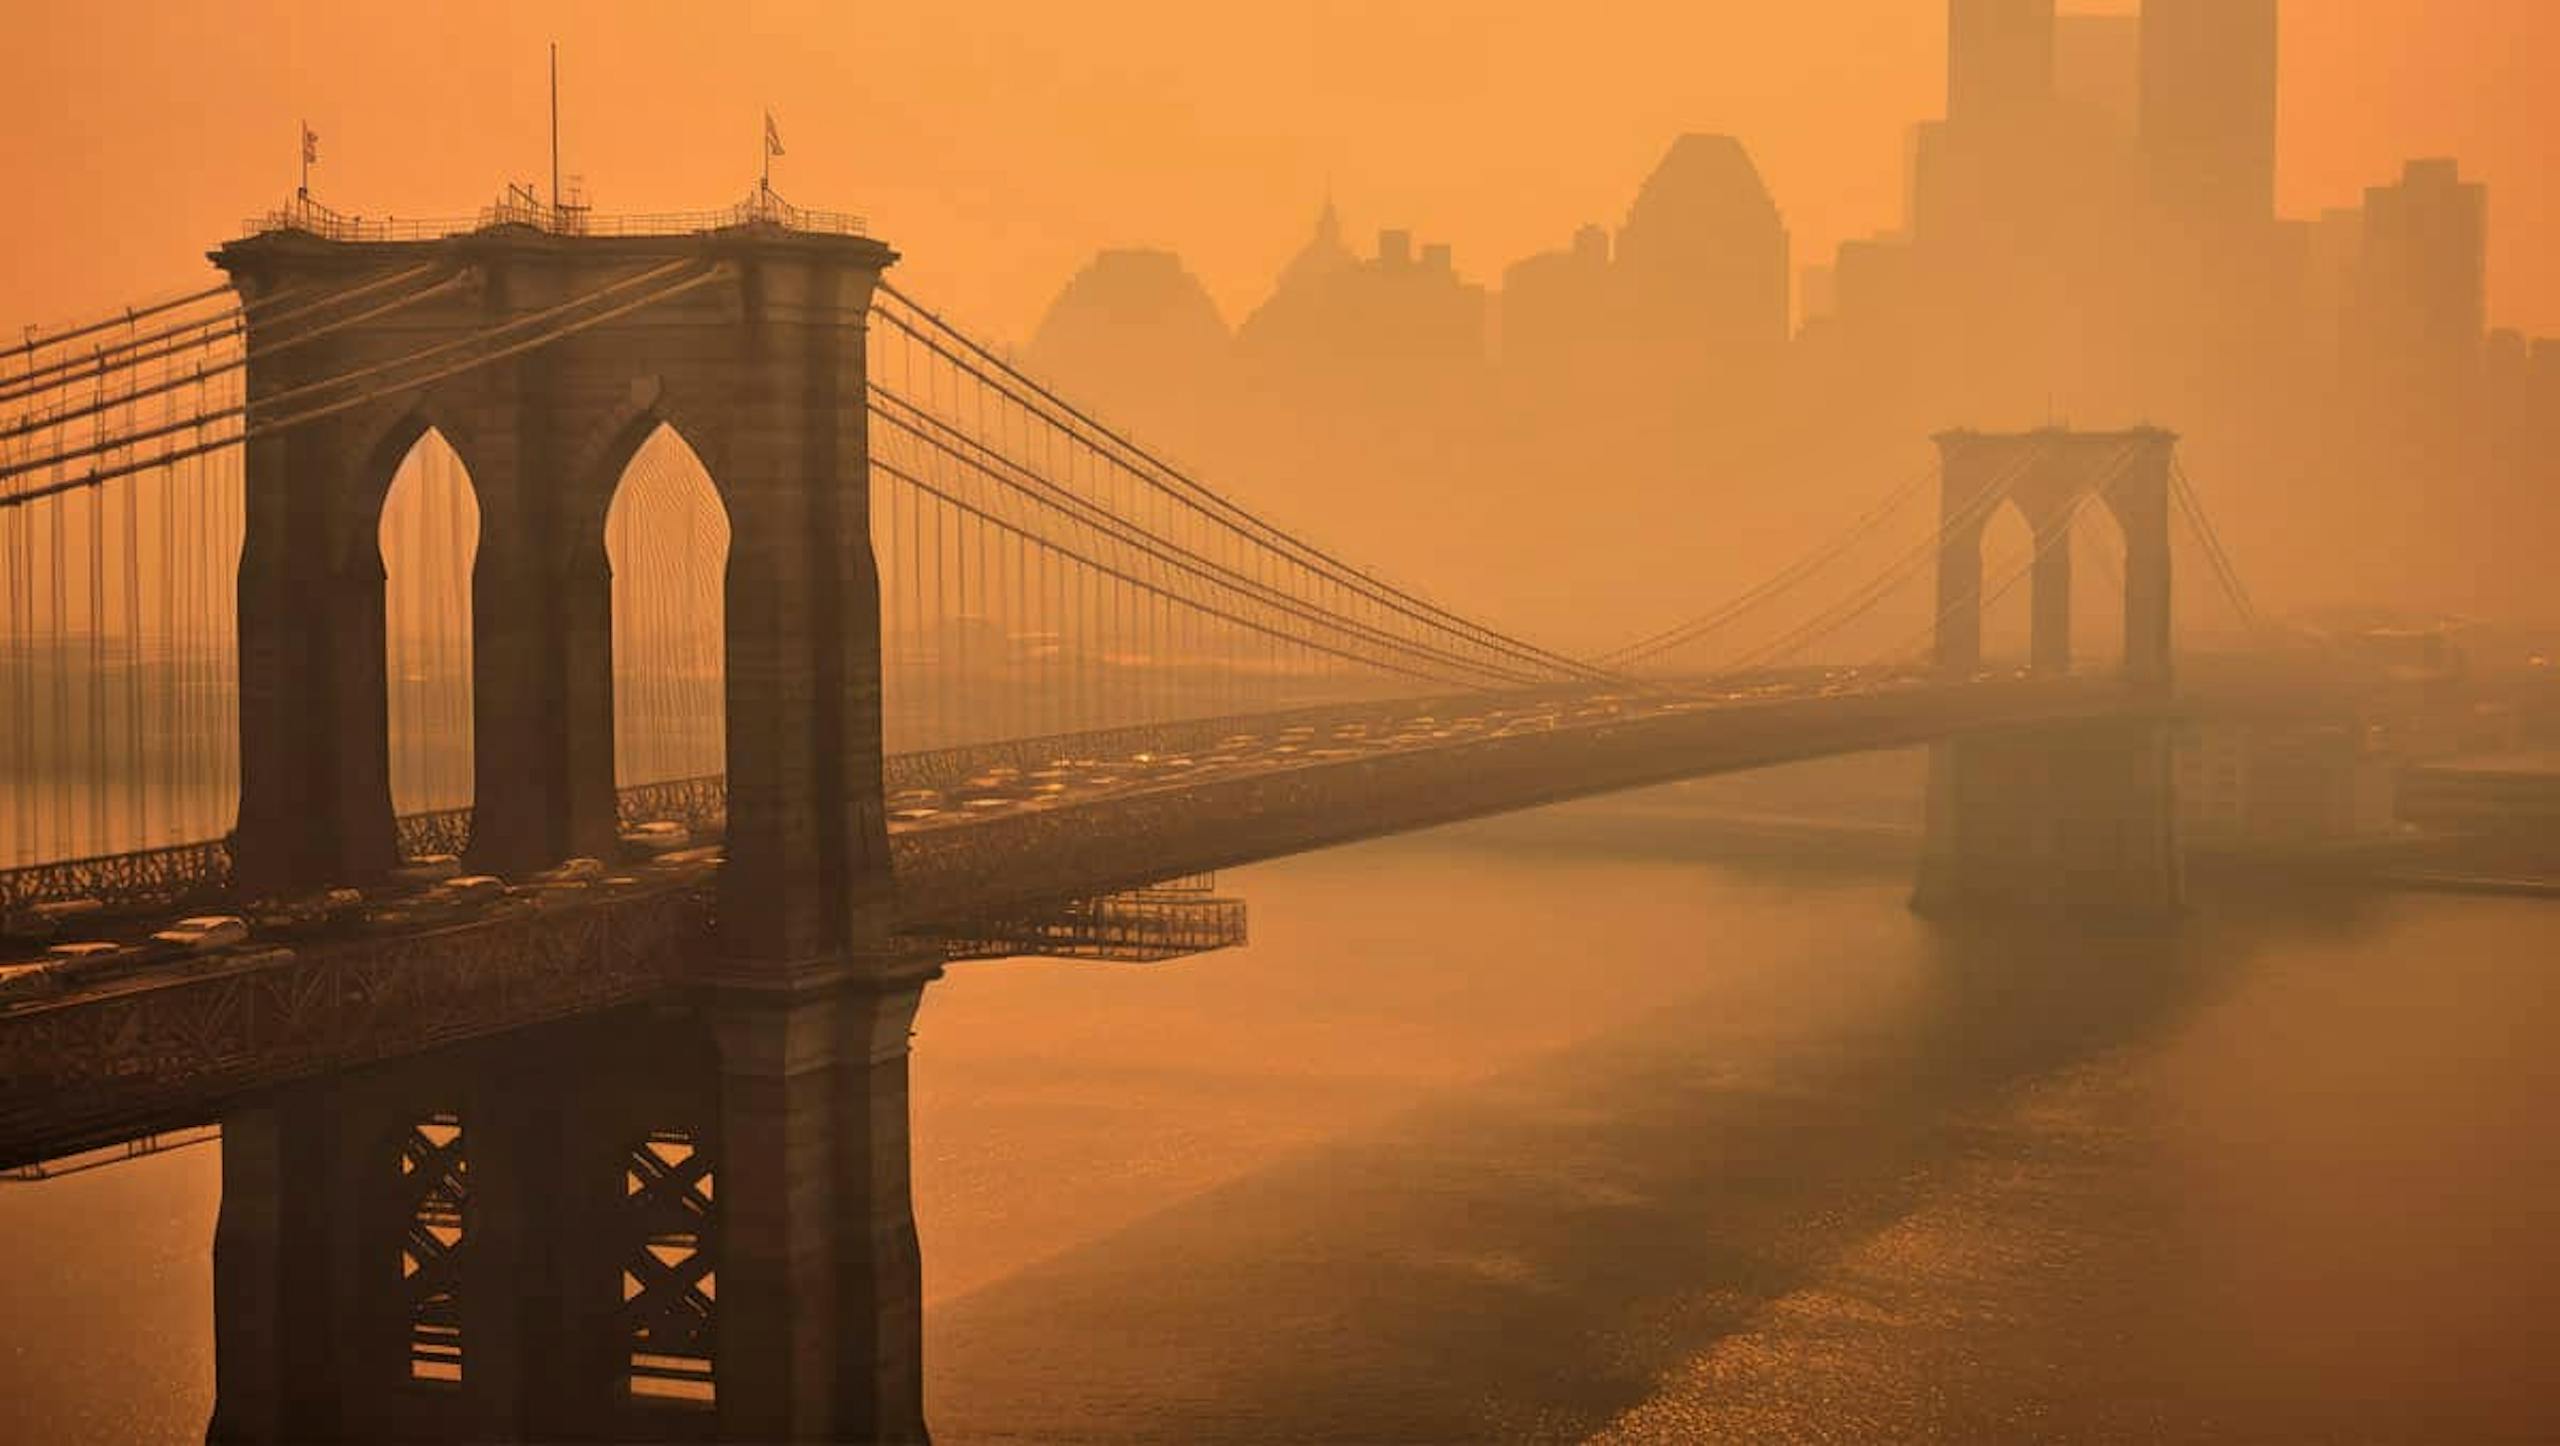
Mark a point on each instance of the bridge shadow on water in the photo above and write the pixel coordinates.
(1531, 1257)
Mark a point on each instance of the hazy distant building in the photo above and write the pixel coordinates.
(1130, 306)
(1876, 277)
(1883, 319)
(1702, 264)
(1817, 293)
(2542, 385)
(1924, 147)
(2090, 234)
(2257, 785)
(2333, 252)
(1557, 310)
(2097, 70)
(2209, 108)
(2000, 56)
(2420, 301)
(2536, 447)
(1363, 385)
(1983, 179)
(1318, 263)
(1137, 335)
(2506, 365)
(1403, 311)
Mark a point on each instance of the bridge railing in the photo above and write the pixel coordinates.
(700, 803)
(151, 877)
(144, 876)
(443, 831)
(762, 208)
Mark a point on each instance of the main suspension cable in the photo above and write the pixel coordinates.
(1172, 481)
(251, 431)
(235, 362)
(1682, 635)
(1130, 579)
(1859, 603)
(1156, 545)
(243, 408)
(232, 321)
(35, 343)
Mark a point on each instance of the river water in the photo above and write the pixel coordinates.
(1563, 1127)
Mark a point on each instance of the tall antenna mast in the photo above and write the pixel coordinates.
(555, 125)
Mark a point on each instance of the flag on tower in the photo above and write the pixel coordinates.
(310, 157)
(772, 136)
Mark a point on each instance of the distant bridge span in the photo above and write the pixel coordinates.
(948, 877)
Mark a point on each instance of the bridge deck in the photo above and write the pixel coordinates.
(155, 1053)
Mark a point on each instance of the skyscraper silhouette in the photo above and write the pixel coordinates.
(1703, 262)
(2097, 70)
(2209, 108)
(2420, 302)
(1999, 61)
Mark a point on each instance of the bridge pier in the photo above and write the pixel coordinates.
(822, 1295)
(272, 1352)
(2072, 818)
(658, 1225)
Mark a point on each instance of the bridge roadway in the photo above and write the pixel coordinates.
(161, 1051)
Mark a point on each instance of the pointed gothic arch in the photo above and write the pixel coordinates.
(666, 538)
(427, 541)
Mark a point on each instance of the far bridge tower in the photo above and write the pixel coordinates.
(2079, 817)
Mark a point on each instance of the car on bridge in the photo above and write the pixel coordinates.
(571, 871)
(999, 785)
(471, 889)
(657, 836)
(563, 884)
(428, 869)
(203, 933)
(36, 979)
(704, 856)
(85, 962)
(40, 923)
(311, 913)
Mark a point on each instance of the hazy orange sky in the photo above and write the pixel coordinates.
(999, 143)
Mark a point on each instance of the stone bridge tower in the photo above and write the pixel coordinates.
(545, 355)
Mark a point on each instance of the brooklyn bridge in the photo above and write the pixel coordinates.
(438, 629)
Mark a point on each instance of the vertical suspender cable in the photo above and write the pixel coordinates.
(133, 770)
